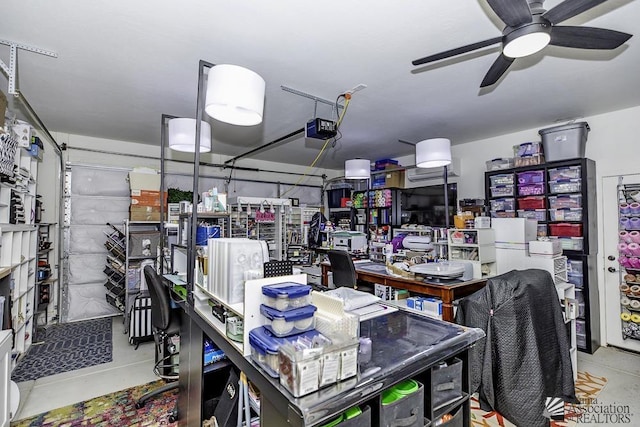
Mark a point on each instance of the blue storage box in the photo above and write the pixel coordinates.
(286, 296)
(291, 322)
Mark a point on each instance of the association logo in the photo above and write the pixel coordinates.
(588, 411)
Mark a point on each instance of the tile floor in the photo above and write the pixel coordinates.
(129, 368)
(133, 367)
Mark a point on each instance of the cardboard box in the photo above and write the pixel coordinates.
(392, 179)
(385, 293)
(144, 213)
(144, 181)
(147, 198)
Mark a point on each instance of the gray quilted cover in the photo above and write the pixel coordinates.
(524, 358)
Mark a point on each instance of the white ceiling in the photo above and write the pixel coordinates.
(121, 64)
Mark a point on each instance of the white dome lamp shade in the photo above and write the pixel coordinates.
(433, 153)
(182, 135)
(357, 169)
(235, 95)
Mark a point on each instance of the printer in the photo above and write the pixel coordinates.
(350, 241)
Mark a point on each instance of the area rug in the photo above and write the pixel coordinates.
(111, 410)
(587, 389)
(67, 347)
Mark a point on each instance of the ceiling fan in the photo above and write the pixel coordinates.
(530, 28)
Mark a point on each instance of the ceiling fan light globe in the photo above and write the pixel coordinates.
(433, 153)
(526, 45)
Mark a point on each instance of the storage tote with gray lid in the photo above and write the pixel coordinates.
(565, 141)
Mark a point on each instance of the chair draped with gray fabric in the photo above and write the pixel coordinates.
(524, 361)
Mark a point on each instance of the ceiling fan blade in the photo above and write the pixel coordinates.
(512, 12)
(568, 9)
(499, 67)
(456, 51)
(587, 37)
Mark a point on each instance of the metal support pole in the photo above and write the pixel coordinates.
(163, 144)
(446, 197)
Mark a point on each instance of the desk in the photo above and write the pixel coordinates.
(406, 345)
(446, 292)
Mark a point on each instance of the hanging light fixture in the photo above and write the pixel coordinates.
(182, 135)
(357, 169)
(432, 153)
(235, 95)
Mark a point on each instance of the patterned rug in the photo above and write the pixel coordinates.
(67, 347)
(111, 410)
(587, 389)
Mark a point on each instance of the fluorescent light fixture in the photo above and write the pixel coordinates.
(357, 169)
(182, 135)
(235, 95)
(432, 153)
(526, 45)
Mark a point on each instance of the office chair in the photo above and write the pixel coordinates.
(344, 271)
(166, 323)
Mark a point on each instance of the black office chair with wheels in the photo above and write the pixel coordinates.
(166, 323)
(344, 271)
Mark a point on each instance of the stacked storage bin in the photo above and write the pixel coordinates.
(531, 204)
(566, 205)
(503, 206)
(289, 347)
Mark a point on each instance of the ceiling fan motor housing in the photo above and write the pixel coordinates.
(538, 31)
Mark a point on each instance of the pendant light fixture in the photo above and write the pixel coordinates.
(357, 169)
(235, 95)
(182, 135)
(433, 153)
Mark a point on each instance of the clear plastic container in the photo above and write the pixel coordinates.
(581, 328)
(290, 322)
(536, 159)
(574, 266)
(574, 214)
(570, 172)
(265, 345)
(497, 164)
(581, 340)
(531, 189)
(575, 278)
(538, 214)
(565, 202)
(531, 202)
(503, 214)
(503, 204)
(570, 243)
(565, 229)
(527, 149)
(542, 230)
(502, 179)
(286, 296)
(531, 177)
(568, 186)
(502, 191)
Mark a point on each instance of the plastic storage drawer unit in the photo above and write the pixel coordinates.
(569, 172)
(503, 214)
(502, 191)
(570, 243)
(574, 214)
(503, 204)
(290, 322)
(567, 186)
(503, 179)
(564, 229)
(536, 159)
(497, 164)
(538, 214)
(532, 202)
(531, 189)
(531, 177)
(565, 202)
(286, 296)
(574, 266)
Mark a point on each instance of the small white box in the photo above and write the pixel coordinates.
(547, 248)
(482, 222)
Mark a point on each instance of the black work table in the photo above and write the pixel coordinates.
(404, 345)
